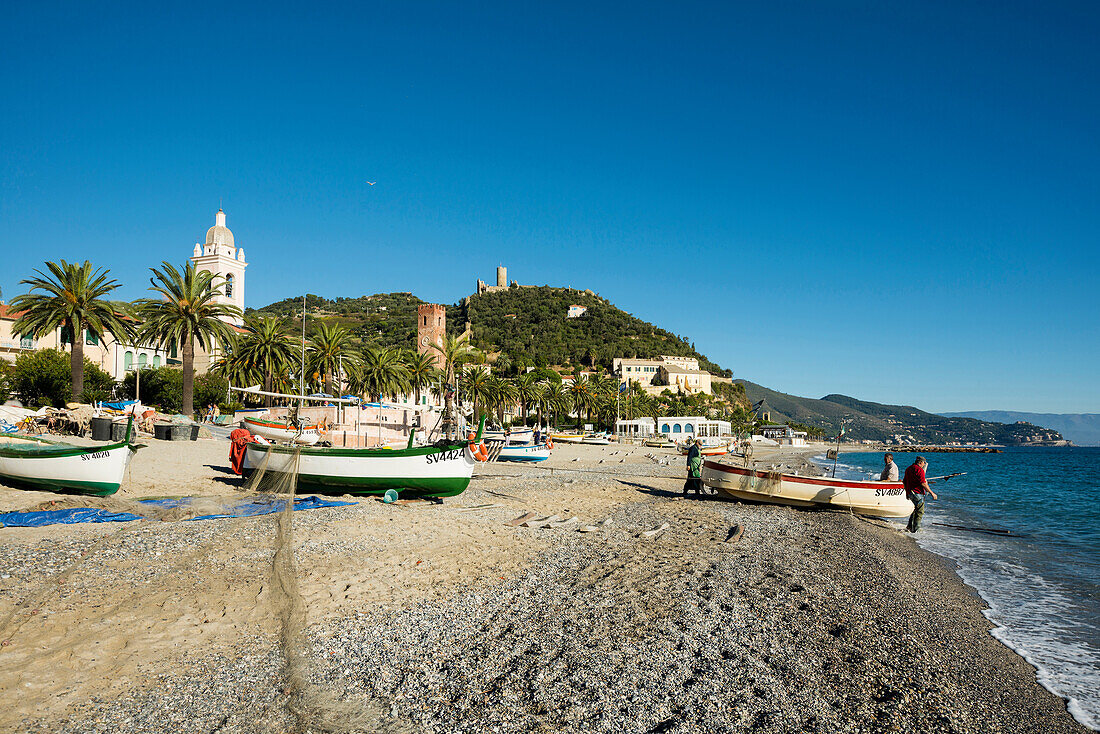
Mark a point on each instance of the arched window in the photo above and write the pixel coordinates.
(688, 428)
(128, 361)
(664, 428)
(156, 360)
(229, 286)
(143, 359)
(676, 428)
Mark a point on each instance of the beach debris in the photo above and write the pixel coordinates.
(478, 507)
(542, 523)
(566, 523)
(521, 519)
(735, 534)
(606, 523)
(649, 534)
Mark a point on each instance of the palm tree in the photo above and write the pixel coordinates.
(455, 351)
(502, 395)
(234, 368)
(477, 387)
(581, 395)
(329, 348)
(539, 393)
(525, 392)
(72, 297)
(268, 351)
(186, 312)
(380, 371)
(557, 399)
(422, 371)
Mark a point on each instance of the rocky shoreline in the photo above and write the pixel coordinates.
(440, 618)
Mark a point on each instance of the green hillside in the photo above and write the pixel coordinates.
(878, 422)
(529, 325)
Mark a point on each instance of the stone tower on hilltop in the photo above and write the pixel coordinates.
(219, 255)
(431, 328)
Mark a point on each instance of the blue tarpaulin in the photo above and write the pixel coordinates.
(243, 508)
(120, 405)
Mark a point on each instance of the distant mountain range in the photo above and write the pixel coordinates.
(1081, 428)
(865, 420)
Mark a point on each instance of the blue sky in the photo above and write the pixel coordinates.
(895, 201)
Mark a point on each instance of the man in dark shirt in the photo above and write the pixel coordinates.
(916, 486)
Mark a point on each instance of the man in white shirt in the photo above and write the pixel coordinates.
(890, 471)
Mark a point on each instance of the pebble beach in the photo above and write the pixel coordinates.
(444, 617)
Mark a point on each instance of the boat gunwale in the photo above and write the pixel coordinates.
(818, 481)
(285, 426)
(63, 450)
(356, 452)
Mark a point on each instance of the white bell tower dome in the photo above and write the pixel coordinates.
(219, 255)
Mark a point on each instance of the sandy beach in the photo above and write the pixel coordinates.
(440, 617)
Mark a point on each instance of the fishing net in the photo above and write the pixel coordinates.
(179, 597)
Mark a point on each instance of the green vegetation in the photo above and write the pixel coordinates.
(865, 420)
(162, 387)
(44, 377)
(521, 327)
(73, 297)
(530, 327)
(185, 313)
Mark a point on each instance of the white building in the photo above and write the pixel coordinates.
(219, 255)
(687, 363)
(643, 371)
(784, 435)
(678, 428)
(575, 311)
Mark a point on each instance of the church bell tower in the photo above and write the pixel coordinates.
(219, 255)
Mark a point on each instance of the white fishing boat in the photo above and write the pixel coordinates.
(879, 499)
(282, 431)
(514, 435)
(659, 442)
(438, 470)
(37, 463)
(568, 437)
(528, 452)
(596, 439)
(710, 448)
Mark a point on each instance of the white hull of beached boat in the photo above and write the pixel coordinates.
(530, 452)
(879, 499)
(427, 470)
(596, 440)
(60, 467)
(282, 432)
(568, 437)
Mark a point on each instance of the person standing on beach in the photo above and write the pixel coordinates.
(890, 471)
(695, 469)
(916, 486)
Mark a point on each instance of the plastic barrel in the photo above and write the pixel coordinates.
(118, 432)
(101, 429)
(163, 431)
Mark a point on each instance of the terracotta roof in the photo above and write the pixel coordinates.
(6, 312)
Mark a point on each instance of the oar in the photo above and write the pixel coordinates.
(946, 476)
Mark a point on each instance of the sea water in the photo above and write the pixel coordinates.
(1042, 582)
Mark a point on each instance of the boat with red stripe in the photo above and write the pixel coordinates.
(878, 499)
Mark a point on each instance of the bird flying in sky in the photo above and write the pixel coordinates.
(371, 183)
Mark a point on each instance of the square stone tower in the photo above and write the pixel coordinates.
(431, 327)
